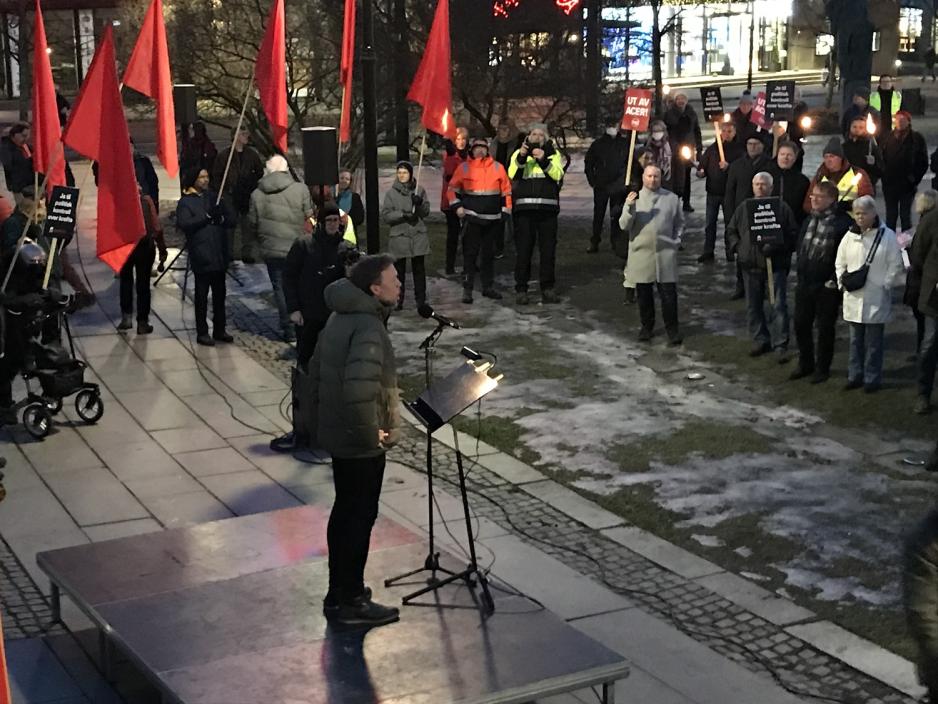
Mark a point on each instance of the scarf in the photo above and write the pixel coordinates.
(661, 157)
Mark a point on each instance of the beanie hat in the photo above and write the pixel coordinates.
(834, 147)
(538, 126)
(329, 209)
(404, 164)
(479, 142)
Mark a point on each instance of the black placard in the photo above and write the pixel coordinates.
(712, 100)
(780, 100)
(61, 213)
(765, 221)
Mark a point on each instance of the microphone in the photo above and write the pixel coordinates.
(425, 310)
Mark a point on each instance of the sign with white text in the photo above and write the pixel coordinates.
(639, 104)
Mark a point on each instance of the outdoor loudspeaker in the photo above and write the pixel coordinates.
(184, 100)
(320, 156)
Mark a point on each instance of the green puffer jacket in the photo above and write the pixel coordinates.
(278, 212)
(353, 380)
(408, 232)
(920, 595)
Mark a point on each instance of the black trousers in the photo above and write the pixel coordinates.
(645, 293)
(615, 201)
(139, 263)
(307, 335)
(685, 196)
(898, 209)
(453, 227)
(540, 228)
(357, 490)
(214, 280)
(419, 274)
(478, 252)
(816, 306)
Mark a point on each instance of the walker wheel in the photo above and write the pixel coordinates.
(37, 420)
(89, 406)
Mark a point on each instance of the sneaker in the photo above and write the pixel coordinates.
(492, 293)
(675, 338)
(522, 298)
(820, 377)
(365, 612)
(799, 373)
(705, 258)
(285, 443)
(308, 455)
(922, 406)
(127, 322)
(645, 334)
(548, 296)
(760, 349)
(205, 340)
(222, 336)
(467, 296)
(144, 328)
(593, 248)
(853, 384)
(330, 605)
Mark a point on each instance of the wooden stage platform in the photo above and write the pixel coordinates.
(230, 612)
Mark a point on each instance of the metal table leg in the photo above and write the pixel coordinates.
(609, 692)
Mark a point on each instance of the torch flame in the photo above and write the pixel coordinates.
(806, 122)
(727, 117)
(870, 124)
(686, 153)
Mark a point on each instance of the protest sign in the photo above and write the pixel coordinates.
(758, 116)
(780, 100)
(712, 101)
(638, 106)
(61, 213)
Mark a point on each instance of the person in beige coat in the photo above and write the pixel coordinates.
(654, 222)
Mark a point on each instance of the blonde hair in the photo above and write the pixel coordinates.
(926, 200)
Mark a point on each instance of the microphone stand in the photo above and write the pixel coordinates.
(432, 562)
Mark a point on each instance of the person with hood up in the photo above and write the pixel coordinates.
(479, 192)
(852, 181)
(405, 207)
(204, 224)
(454, 153)
(353, 402)
(605, 165)
(277, 215)
(536, 172)
(869, 246)
(654, 221)
(905, 156)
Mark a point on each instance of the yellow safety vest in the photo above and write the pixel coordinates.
(845, 185)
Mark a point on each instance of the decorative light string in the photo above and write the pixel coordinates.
(502, 8)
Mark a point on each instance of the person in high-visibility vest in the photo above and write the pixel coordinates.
(887, 101)
(851, 181)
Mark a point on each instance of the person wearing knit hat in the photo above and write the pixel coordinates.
(404, 208)
(851, 181)
(905, 157)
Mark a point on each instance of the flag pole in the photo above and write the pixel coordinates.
(244, 107)
(423, 147)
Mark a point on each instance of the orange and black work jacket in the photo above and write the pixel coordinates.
(481, 187)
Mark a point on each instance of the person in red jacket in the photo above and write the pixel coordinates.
(455, 153)
(479, 192)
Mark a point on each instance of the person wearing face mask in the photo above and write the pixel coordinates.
(684, 129)
(404, 209)
(349, 201)
(861, 151)
(905, 156)
(605, 166)
(663, 152)
(654, 221)
(716, 172)
(536, 173)
(887, 101)
(454, 153)
(768, 331)
(479, 192)
(868, 307)
(852, 182)
(789, 183)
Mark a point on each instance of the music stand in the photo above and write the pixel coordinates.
(435, 407)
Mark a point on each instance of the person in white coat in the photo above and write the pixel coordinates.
(868, 308)
(654, 223)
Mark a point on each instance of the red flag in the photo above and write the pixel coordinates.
(345, 71)
(47, 131)
(271, 74)
(148, 73)
(97, 128)
(432, 88)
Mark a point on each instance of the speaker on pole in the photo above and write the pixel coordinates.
(320, 156)
(184, 100)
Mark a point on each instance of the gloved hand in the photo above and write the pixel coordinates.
(449, 147)
(416, 199)
(768, 250)
(217, 216)
(413, 219)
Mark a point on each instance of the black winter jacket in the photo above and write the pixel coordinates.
(247, 168)
(739, 180)
(906, 162)
(684, 127)
(818, 241)
(17, 167)
(751, 255)
(856, 152)
(710, 165)
(792, 186)
(207, 242)
(313, 262)
(606, 160)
